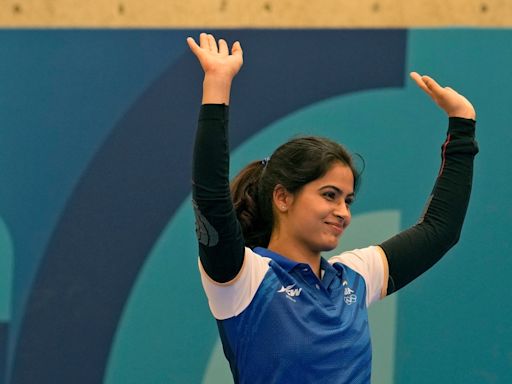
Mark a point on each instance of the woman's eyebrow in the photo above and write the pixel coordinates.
(338, 190)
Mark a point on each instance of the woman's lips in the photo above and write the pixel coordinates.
(337, 228)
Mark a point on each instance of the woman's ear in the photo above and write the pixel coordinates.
(281, 198)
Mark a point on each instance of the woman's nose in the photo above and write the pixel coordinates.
(342, 211)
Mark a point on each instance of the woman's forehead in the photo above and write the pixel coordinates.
(339, 175)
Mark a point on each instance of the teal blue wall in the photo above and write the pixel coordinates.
(98, 268)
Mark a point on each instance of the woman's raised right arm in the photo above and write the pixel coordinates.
(221, 243)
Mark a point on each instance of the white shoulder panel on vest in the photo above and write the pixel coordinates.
(230, 299)
(368, 263)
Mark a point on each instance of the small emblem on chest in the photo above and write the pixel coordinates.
(349, 296)
(290, 291)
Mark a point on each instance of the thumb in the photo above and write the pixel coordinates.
(236, 48)
(193, 45)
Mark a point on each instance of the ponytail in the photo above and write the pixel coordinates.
(256, 221)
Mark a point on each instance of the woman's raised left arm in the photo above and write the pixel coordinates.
(415, 250)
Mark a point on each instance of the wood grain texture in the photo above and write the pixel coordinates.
(255, 13)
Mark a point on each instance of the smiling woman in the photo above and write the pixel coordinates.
(311, 219)
(284, 313)
(292, 165)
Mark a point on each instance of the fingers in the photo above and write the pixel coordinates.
(207, 42)
(212, 43)
(193, 45)
(428, 84)
(449, 100)
(223, 47)
(236, 48)
(419, 80)
(203, 41)
(432, 85)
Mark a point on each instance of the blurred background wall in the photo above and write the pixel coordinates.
(98, 102)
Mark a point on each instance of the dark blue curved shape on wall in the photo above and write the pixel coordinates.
(142, 173)
(62, 94)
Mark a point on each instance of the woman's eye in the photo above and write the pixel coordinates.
(330, 195)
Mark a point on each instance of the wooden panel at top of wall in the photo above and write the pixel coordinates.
(254, 13)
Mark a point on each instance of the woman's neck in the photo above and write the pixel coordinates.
(297, 253)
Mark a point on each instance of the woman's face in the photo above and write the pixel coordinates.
(318, 214)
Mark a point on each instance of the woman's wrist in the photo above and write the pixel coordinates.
(216, 89)
(463, 114)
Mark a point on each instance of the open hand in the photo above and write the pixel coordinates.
(214, 58)
(453, 103)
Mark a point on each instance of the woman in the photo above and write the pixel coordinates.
(285, 314)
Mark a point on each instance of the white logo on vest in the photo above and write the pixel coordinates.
(349, 296)
(290, 292)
